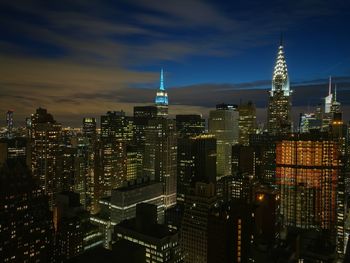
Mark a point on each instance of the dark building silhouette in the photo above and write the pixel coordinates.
(69, 219)
(188, 125)
(17, 148)
(194, 230)
(196, 162)
(230, 233)
(267, 216)
(265, 157)
(26, 229)
(236, 187)
(247, 122)
(244, 160)
(121, 251)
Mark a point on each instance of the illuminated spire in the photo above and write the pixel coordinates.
(329, 98)
(335, 106)
(161, 87)
(280, 80)
(162, 95)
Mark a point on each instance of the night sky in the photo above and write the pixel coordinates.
(82, 58)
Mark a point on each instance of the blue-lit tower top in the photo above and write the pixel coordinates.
(162, 95)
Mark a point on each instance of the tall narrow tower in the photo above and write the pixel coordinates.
(279, 109)
(162, 98)
(329, 99)
(9, 121)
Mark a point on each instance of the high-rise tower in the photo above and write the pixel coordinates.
(247, 122)
(9, 121)
(329, 99)
(223, 123)
(335, 107)
(307, 173)
(45, 140)
(116, 134)
(160, 156)
(26, 223)
(279, 109)
(162, 98)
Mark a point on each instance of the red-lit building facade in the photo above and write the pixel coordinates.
(307, 170)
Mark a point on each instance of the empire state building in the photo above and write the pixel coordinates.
(161, 100)
(279, 109)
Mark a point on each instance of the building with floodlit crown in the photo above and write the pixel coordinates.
(279, 109)
(162, 98)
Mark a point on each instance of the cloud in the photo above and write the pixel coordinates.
(139, 32)
(71, 91)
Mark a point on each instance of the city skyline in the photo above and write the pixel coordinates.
(85, 59)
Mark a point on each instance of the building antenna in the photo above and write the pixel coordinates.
(161, 80)
(281, 39)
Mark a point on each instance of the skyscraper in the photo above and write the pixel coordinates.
(308, 122)
(307, 173)
(89, 128)
(247, 122)
(329, 99)
(265, 157)
(194, 229)
(26, 229)
(340, 134)
(335, 107)
(9, 122)
(188, 125)
(279, 109)
(116, 134)
(196, 162)
(45, 140)
(160, 156)
(223, 123)
(69, 217)
(15, 149)
(161, 100)
(142, 114)
(87, 183)
(230, 233)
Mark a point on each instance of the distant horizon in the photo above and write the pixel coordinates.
(317, 90)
